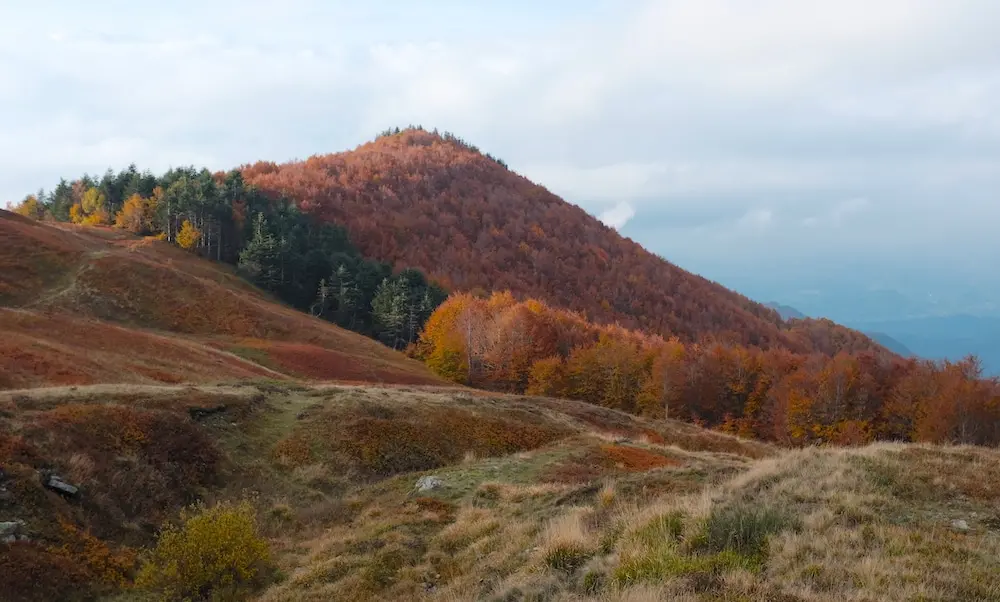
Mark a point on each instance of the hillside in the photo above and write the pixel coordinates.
(417, 199)
(82, 305)
(525, 499)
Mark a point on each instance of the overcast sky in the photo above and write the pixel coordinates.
(738, 139)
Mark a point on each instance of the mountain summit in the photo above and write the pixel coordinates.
(435, 202)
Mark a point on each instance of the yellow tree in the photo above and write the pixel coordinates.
(92, 208)
(138, 214)
(189, 235)
(663, 391)
(30, 206)
(547, 377)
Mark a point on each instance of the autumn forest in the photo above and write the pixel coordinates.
(545, 299)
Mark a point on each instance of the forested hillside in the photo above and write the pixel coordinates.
(416, 198)
(775, 395)
(309, 264)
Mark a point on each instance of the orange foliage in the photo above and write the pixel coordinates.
(772, 394)
(636, 459)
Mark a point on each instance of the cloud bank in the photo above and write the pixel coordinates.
(724, 135)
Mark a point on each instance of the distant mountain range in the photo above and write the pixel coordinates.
(945, 337)
(787, 312)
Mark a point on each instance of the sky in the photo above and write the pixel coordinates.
(842, 156)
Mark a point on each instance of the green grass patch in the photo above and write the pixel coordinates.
(568, 557)
(742, 528)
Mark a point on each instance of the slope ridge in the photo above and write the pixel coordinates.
(155, 313)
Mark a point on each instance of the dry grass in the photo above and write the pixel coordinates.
(566, 542)
(871, 523)
(87, 297)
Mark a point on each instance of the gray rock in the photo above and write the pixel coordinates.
(11, 526)
(11, 531)
(959, 525)
(57, 484)
(429, 483)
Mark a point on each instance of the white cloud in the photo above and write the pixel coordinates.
(757, 219)
(781, 116)
(616, 217)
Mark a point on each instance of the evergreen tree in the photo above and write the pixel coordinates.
(390, 309)
(260, 259)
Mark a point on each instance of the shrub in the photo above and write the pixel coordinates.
(567, 556)
(32, 573)
(742, 528)
(666, 528)
(216, 554)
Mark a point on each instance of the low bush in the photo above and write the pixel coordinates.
(742, 528)
(215, 554)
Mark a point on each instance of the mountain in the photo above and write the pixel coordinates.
(890, 343)
(82, 305)
(786, 312)
(418, 199)
(946, 337)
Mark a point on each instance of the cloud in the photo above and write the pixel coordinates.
(714, 120)
(757, 220)
(616, 217)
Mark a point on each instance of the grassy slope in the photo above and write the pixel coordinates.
(94, 305)
(543, 499)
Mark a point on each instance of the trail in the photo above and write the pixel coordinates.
(71, 285)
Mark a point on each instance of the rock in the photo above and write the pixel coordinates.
(57, 484)
(429, 483)
(959, 525)
(11, 526)
(11, 531)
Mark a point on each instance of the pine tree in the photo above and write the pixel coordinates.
(389, 309)
(260, 259)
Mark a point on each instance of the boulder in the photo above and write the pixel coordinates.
(11, 531)
(429, 483)
(57, 484)
(959, 525)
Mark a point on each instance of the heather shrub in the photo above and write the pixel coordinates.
(216, 553)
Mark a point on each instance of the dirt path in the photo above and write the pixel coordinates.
(69, 286)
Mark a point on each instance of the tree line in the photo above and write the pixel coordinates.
(309, 264)
(497, 342)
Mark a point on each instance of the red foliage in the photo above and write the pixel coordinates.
(635, 459)
(416, 199)
(29, 572)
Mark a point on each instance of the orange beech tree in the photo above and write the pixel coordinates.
(500, 343)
